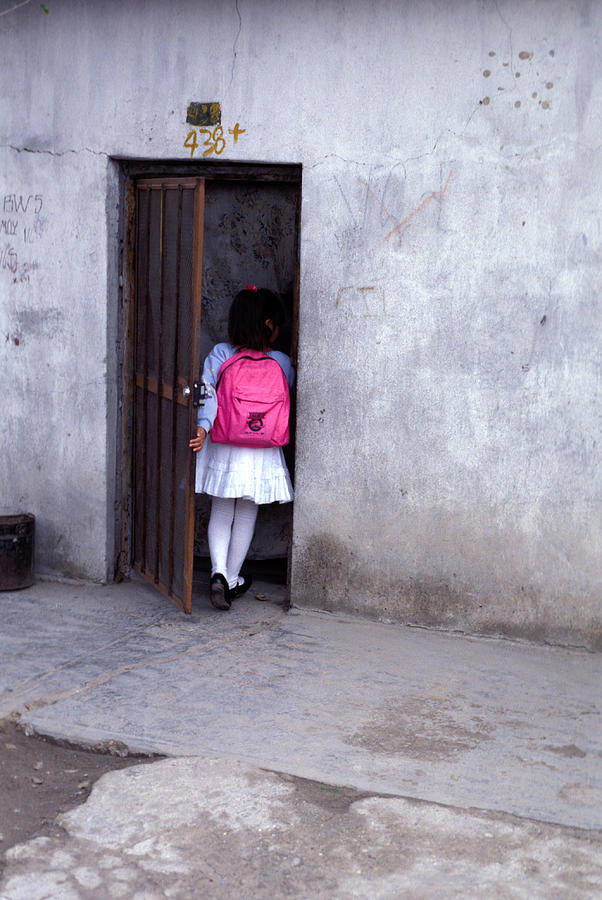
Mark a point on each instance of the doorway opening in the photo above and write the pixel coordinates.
(198, 234)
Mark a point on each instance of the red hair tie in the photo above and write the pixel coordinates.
(251, 287)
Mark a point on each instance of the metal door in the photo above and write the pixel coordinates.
(168, 260)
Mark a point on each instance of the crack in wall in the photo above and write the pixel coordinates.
(235, 43)
(53, 152)
(351, 162)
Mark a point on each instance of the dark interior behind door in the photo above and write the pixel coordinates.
(251, 237)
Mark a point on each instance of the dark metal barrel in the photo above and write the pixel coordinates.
(16, 550)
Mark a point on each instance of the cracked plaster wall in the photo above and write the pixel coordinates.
(448, 377)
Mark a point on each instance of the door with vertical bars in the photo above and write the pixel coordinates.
(169, 251)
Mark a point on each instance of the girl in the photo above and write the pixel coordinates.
(239, 478)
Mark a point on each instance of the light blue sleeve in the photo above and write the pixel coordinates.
(285, 364)
(213, 363)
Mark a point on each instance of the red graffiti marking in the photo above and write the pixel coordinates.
(435, 195)
(399, 226)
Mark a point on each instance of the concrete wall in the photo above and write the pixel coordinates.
(57, 459)
(448, 374)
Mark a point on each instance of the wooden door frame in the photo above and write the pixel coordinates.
(131, 172)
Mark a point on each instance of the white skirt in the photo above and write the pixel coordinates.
(254, 473)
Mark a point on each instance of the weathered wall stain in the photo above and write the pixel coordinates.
(39, 322)
(535, 73)
(332, 575)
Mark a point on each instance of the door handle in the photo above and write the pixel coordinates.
(200, 393)
(186, 391)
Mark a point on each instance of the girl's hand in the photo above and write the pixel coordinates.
(197, 442)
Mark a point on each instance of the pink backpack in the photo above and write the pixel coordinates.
(253, 402)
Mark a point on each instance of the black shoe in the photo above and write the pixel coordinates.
(220, 592)
(240, 589)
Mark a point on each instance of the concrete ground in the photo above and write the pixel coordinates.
(309, 754)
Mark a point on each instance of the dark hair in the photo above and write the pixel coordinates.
(247, 317)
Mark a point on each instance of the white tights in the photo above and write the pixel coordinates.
(230, 532)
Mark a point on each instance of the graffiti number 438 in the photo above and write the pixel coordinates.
(214, 139)
(214, 142)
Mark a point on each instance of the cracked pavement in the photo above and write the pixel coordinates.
(480, 736)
